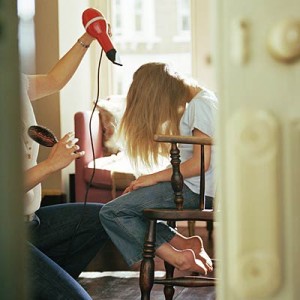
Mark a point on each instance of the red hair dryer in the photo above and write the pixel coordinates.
(96, 26)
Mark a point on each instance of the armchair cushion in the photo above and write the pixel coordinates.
(110, 112)
(112, 172)
(107, 167)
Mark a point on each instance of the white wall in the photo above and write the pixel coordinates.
(78, 93)
(47, 109)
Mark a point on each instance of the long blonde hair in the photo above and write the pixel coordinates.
(156, 101)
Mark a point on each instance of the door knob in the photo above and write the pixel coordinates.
(284, 41)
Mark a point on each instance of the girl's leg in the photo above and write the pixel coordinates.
(126, 225)
(124, 222)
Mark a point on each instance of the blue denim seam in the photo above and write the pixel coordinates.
(139, 257)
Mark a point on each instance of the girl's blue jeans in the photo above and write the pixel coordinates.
(124, 222)
(56, 256)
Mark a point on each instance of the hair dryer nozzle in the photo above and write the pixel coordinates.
(113, 56)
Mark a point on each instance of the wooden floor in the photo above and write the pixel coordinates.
(108, 277)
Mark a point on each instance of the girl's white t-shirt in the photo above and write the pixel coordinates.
(200, 113)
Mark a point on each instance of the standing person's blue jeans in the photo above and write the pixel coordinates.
(56, 256)
(124, 222)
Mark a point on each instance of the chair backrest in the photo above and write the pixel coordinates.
(177, 179)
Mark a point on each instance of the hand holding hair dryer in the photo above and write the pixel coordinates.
(96, 26)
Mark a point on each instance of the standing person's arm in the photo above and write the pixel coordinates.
(62, 154)
(45, 84)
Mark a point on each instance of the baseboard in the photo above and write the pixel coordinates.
(51, 192)
(51, 197)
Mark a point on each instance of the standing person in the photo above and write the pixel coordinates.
(56, 254)
(162, 101)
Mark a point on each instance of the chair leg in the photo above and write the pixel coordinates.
(169, 289)
(210, 228)
(147, 265)
(191, 227)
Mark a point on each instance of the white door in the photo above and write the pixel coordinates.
(257, 59)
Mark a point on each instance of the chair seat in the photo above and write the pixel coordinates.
(178, 215)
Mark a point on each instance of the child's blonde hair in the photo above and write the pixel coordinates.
(156, 101)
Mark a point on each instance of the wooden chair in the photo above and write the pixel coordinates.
(171, 216)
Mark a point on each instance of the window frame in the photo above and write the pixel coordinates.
(105, 82)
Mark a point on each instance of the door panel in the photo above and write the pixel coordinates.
(13, 280)
(258, 70)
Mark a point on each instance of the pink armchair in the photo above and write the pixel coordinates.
(104, 187)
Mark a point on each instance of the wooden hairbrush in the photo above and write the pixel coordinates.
(42, 135)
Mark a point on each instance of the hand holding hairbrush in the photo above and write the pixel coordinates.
(42, 135)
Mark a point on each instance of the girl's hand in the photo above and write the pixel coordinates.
(143, 181)
(64, 152)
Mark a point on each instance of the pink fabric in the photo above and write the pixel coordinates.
(95, 194)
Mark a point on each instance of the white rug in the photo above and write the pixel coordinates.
(117, 274)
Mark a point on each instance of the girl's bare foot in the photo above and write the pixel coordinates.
(183, 260)
(194, 243)
(187, 261)
(206, 260)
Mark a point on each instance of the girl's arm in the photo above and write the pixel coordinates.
(189, 168)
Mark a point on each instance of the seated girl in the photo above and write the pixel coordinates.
(161, 101)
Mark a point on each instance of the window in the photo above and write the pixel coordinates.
(138, 15)
(117, 17)
(26, 12)
(147, 31)
(183, 12)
